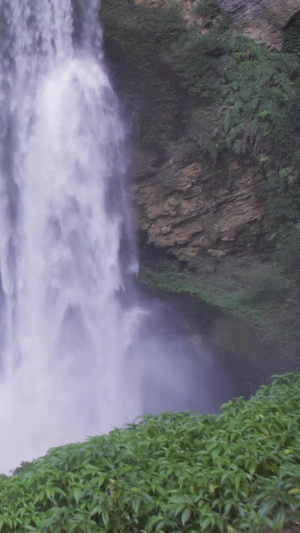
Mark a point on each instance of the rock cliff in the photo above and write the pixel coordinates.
(276, 11)
(213, 120)
(261, 20)
(182, 211)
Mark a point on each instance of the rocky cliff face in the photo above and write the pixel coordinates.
(262, 20)
(220, 114)
(276, 12)
(180, 210)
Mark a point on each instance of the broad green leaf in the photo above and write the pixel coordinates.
(206, 523)
(77, 494)
(279, 520)
(105, 518)
(136, 505)
(267, 506)
(185, 516)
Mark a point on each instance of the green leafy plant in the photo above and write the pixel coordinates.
(237, 471)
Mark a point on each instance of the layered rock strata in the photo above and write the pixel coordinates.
(262, 20)
(184, 211)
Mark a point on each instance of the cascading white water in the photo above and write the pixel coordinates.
(78, 356)
(64, 332)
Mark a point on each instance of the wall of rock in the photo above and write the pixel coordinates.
(261, 20)
(278, 12)
(180, 210)
(186, 199)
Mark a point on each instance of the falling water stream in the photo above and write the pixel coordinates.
(81, 352)
(64, 332)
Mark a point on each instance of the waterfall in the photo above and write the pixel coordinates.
(64, 330)
(81, 351)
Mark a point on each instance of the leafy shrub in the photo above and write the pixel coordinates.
(238, 471)
(252, 87)
(255, 96)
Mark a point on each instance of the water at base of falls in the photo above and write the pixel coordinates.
(79, 354)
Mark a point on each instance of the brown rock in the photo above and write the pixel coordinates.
(189, 217)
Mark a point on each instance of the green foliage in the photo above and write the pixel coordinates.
(292, 36)
(264, 288)
(196, 58)
(259, 86)
(207, 8)
(123, 19)
(288, 248)
(282, 195)
(252, 87)
(154, 131)
(238, 471)
(266, 295)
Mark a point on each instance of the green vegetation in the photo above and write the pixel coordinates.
(292, 36)
(265, 295)
(288, 250)
(253, 88)
(233, 472)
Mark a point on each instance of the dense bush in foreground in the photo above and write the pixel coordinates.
(238, 471)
